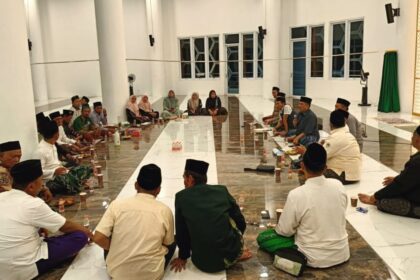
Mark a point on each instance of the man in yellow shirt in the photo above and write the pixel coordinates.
(142, 231)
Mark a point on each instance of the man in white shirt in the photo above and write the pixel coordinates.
(59, 178)
(142, 229)
(315, 214)
(62, 137)
(10, 155)
(24, 252)
(343, 154)
(354, 125)
(286, 116)
(76, 108)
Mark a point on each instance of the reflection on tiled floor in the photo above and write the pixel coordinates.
(256, 192)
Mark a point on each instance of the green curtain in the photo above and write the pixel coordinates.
(389, 100)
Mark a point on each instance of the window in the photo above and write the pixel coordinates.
(185, 58)
(248, 55)
(298, 32)
(356, 49)
(317, 51)
(260, 54)
(338, 49)
(214, 66)
(347, 49)
(232, 39)
(199, 58)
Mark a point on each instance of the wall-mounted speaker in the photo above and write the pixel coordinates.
(391, 13)
(151, 40)
(261, 32)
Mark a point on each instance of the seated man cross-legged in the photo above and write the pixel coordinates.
(209, 223)
(343, 153)
(315, 214)
(138, 231)
(306, 131)
(401, 194)
(25, 249)
(59, 179)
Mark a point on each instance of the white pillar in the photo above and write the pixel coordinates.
(17, 106)
(34, 12)
(154, 21)
(272, 46)
(112, 57)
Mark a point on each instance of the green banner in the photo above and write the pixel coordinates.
(389, 99)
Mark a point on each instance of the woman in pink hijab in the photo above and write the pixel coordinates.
(133, 112)
(146, 108)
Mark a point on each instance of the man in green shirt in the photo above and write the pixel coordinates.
(84, 125)
(209, 223)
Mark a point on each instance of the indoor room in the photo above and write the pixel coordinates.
(198, 139)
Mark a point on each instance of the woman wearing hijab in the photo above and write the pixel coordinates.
(214, 105)
(146, 108)
(170, 107)
(133, 112)
(195, 107)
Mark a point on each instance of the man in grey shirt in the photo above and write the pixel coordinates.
(306, 131)
(97, 115)
(354, 125)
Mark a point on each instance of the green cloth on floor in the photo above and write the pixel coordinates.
(72, 182)
(270, 241)
(389, 100)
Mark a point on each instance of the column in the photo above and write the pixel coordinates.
(112, 63)
(154, 21)
(35, 11)
(17, 119)
(272, 47)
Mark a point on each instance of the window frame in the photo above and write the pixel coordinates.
(346, 49)
(181, 61)
(309, 51)
(242, 58)
(193, 60)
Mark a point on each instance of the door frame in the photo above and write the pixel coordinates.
(226, 68)
(292, 41)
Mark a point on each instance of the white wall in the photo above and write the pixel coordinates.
(378, 37)
(137, 44)
(16, 94)
(63, 30)
(189, 18)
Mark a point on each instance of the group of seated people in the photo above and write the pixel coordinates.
(300, 127)
(208, 222)
(209, 225)
(194, 106)
(143, 111)
(343, 148)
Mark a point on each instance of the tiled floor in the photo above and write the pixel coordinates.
(235, 150)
